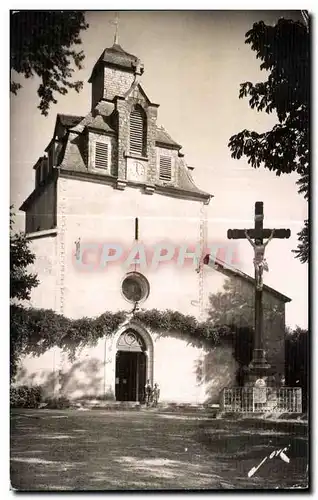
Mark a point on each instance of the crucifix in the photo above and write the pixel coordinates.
(258, 233)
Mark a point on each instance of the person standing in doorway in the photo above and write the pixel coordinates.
(148, 392)
(155, 394)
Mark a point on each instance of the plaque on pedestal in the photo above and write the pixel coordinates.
(259, 391)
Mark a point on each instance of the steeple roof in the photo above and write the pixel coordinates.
(117, 56)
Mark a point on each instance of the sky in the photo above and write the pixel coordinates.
(194, 63)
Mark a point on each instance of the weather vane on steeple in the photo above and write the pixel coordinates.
(115, 22)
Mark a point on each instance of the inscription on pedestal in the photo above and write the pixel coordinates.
(259, 391)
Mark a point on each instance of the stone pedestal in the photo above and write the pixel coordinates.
(258, 368)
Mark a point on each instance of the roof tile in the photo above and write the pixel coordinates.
(163, 137)
(69, 121)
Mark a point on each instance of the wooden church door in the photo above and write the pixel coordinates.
(130, 368)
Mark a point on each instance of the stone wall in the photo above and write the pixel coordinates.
(107, 216)
(185, 374)
(235, 306)
(116, 82)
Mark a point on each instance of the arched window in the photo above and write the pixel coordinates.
(138, 130)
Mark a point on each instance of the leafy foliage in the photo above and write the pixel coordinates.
(297, 360)
(231, 305)
(25, 397)
(42, 43)
(21, 282)
(302, 251)
(284, 50)
(167, 322)
(230, 323)
(18, 336)
(234, 306)
(34, 331)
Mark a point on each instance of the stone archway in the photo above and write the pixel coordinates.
(133, 362)
(131, 367)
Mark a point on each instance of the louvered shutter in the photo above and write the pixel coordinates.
(136, 132)
(101, 155)
(165, 168)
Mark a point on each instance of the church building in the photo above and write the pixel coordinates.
(117, 223)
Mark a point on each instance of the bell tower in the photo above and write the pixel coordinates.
(115, 79)
(114, 73)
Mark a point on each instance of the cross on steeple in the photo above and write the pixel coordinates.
(115, 22)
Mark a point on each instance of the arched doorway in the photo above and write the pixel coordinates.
(131, 367)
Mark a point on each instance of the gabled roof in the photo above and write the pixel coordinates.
(231, 271)
(66, 121)
(135, 85)
(69, 121)
(163, 137)
(97, 119)
(186, 182)
(38, 162)
(98, 123)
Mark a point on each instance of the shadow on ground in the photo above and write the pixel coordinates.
(100, 450)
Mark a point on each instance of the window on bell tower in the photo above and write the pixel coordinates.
(165, 168)
(137, 131)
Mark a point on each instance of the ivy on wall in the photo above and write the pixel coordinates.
(34, 331)
(174, 323)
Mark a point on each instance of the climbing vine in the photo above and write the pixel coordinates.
(34, 331)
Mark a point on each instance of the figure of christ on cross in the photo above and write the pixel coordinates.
(258, 365)
(259, 261)
(258, 233)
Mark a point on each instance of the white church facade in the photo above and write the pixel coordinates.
(117, 224)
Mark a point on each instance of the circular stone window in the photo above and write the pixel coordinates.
(135, 287)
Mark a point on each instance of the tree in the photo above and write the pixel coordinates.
(21, 284)
(234, 305)
(21, 281)
(284, 50)
(42, 43)
(297, 360)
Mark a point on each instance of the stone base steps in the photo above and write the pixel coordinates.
(204, 410)
(136, 406)
(262, 415)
